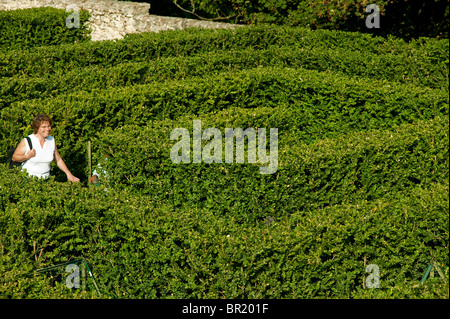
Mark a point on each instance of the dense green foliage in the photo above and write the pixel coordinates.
(317, 104)
(25, 28)
(140, 247)
(403, 18)
(423, 52)
(402, 67)
(347, 168)
(362, 175)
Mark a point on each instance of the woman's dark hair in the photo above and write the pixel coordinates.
(38, 119)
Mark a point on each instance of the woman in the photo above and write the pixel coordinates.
(37, 161)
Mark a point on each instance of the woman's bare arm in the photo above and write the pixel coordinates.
(62, 166)
(19, 154)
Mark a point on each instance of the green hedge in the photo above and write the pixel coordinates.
(150, 46)
(326, 105)
(347, 168)
(375, 66)
(28, 28)
(362, 175)
(141, 248)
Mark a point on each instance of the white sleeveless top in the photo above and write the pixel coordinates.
(39, 165)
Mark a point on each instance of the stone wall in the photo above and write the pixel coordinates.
(111, 20)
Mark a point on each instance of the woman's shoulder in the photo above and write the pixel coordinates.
(50, 139)
(32, 138)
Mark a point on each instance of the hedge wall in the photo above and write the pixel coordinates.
(149, 46)
(375, 66)
(141, 248)
(347, 168)
(325, 103)
(362, 175)
(26, 28)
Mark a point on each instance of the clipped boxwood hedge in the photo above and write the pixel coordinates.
(325, 104)
(356, 64)
(422, 55)
(27, 28)
(362, 176)
(347, 168)
(141, 248)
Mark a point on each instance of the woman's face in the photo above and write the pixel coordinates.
(44, 129)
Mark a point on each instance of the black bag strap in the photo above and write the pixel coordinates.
(29, 142)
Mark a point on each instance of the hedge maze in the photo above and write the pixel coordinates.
(362, 178)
